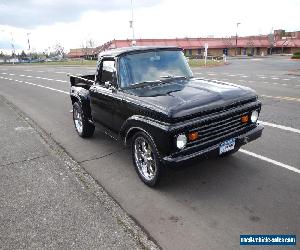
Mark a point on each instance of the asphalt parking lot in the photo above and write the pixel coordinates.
(207, 205)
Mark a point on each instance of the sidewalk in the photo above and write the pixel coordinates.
(48, 201)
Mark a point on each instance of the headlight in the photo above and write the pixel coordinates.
(254, 116)
(181, 141)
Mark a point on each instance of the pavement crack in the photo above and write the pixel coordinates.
(100, 157)
(22, 161)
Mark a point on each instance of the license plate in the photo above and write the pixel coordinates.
(226, 146)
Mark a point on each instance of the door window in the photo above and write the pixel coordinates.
(107, 71)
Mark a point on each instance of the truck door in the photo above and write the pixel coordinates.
(102, 97)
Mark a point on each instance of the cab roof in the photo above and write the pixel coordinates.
(133, 49)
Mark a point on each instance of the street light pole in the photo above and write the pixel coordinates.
(28, 42)
(131, 24)
(12, 44)
(236, 37)
(28, 46)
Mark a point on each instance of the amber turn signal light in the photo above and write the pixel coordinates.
(193, 136)
(245, 119)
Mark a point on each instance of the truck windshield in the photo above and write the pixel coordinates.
(152, 66)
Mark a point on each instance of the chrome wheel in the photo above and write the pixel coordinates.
(78, 120)
(144, 158)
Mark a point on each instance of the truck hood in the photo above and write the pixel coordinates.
(181, 98)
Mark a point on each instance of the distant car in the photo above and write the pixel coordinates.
(148, 98)
(25, 60)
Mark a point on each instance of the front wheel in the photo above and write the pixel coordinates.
(146, 160)
(82, 125)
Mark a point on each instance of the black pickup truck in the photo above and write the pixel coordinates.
(148, 98)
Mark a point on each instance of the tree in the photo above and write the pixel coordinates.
(23, 55)
(250, 44)
(59, 50)
(88, 48)
(271, 40)
(90, 43)
(84, 50)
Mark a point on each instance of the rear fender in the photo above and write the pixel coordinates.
(82, 96)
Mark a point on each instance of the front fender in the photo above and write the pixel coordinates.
(158, 131)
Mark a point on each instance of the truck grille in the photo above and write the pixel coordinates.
(220, 128)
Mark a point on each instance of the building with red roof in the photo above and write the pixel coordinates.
(280, 42)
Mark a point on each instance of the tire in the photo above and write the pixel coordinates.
(145, 159)
(83, 127)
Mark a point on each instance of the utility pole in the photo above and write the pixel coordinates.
(12, 44)
(131, 24)
(28, 42)
(28, 45)
(236, 37)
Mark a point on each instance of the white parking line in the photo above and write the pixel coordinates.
(280, 127)
(275, 78)
(37, 85)
(286, 98)
(262, 77)
(211, 74)
(38, 77)
(277, 163)
(286, 79)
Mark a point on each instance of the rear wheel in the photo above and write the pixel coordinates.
(83, 127)
(146, 160)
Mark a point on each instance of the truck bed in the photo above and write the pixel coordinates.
(83, 81)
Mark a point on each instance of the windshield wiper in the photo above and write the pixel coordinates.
(174, 77)
(139, 84)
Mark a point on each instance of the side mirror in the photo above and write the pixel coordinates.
(108, 85)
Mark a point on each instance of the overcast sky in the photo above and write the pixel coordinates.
(73, 22)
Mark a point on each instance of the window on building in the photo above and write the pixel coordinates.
(199, 51)
(190, 52)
